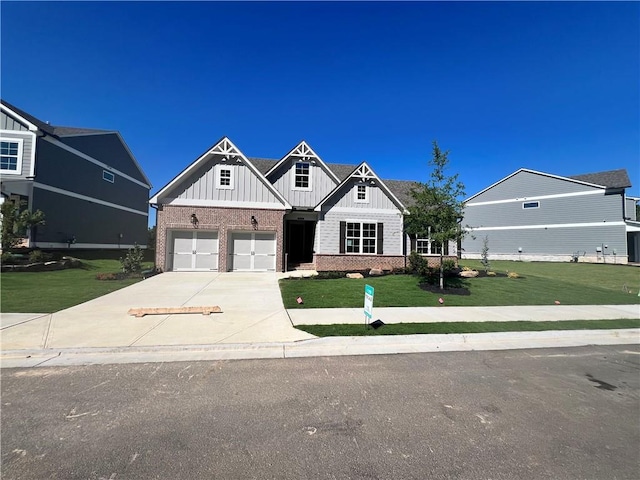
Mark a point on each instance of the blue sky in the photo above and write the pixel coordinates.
(547, 86)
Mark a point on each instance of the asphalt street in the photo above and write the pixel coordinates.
(563, 413)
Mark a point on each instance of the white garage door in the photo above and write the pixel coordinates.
(194, 250)
(253, 252)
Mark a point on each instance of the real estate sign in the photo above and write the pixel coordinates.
(368, 301)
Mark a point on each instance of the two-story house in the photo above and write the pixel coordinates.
(228, 212)
(532, 215)
(93, 192)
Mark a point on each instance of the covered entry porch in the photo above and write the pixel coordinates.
(300, 232)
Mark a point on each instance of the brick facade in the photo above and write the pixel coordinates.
(344, 262)
(224, 221)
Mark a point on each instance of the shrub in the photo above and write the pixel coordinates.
(449, 266)
(132, 261)
(6, 258)
(418, 265)
(38, 256)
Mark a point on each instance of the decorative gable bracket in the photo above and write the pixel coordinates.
(363, 173)
(304, 152)
(227, 149)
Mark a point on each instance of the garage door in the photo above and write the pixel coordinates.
(194, 250)
(253, 252)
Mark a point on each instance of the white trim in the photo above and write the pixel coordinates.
(557, 225)
(88, 199)
(531, 204)
(76, 246)
(197, 202)
(536, 173)
(358, 211)
(223, 147)
(303, 149)
(309, 187)
(18, 170)
(535, 197)
(356, 192)
(86, 157)
(225, 166)
(31, 126)
(107, 173)
(358, 171)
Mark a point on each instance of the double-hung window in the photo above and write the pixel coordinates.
(302, 176)
(11, 156)
(360, 237)
(426, 246)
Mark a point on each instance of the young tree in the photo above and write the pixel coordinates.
(437, 208)
(15, 223)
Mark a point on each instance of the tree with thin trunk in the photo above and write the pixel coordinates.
(17, 224)
(438, 207)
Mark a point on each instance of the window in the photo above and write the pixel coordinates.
(224, 177)
(361, 237)
(531, 205)
(302, 176)
(426, 246)
(108, 176)
(11, 156)
(361, 194)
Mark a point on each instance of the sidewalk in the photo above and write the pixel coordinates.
(31, 333)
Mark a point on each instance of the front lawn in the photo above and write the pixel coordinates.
(47, 292)
(540, 283)
(350, 330)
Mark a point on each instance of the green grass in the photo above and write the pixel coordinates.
(540, 284)
(349, 330)
(47, 292)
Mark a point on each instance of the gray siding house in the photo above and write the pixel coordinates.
(87, 182)
(532, 215)
(229, 212)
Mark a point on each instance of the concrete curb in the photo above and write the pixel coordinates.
(319, 347)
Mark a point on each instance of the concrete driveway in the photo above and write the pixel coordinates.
(251, 305)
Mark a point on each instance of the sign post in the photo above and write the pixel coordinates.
(368, 304)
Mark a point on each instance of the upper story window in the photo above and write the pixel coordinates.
(224, 177)
(531, 204)
(302, 176)
(11, 156)
(362, 194)
(108, 176)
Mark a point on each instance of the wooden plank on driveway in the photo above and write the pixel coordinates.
(141, 312)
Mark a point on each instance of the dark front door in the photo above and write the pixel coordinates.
(300, 236)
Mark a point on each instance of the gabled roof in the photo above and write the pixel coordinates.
(602, 180)
(364, 172)
(224, 147)
(610, 179)
(45, 127)
(303, 151)
(73, 131)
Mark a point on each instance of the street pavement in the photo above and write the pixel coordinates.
(255, 324)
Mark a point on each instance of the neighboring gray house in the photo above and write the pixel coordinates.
(87, 182)
(532, 215)
(228, 212)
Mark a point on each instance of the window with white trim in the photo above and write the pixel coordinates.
(224, 177)
(426, 246)
(11, 156)
(527, 205)
(361, 194)
(108, 176)
(360, 237)
(302, 176)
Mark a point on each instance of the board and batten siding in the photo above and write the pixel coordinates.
(201, 186)
(630, 209)
(377, 199)
(28, 139)
(527, 184)
(559, 210)
(10, 123)
(327, 241)
(322, 184)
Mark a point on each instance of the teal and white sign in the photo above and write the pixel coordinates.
(368, 301)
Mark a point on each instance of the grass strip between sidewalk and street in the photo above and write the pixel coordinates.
(350, 330)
